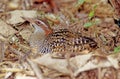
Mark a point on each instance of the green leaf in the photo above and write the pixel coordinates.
(117, 49)
(88, 24)
(80, 2)
(95, 6)
(91, 14)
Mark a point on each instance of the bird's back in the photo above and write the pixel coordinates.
(63, 41)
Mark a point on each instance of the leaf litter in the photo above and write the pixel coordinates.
(19, 61)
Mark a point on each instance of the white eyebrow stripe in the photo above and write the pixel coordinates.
(42, 23)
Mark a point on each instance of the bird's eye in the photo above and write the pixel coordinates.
(39, 22)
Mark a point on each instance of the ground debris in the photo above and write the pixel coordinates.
(91, 18)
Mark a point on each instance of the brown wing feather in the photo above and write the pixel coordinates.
(65, 41)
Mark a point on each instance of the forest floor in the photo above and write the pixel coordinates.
(97, 19)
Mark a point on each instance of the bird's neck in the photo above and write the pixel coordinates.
(42, 30)
(46, 30)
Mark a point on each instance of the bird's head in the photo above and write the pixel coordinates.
(37, 38)
(39, 26)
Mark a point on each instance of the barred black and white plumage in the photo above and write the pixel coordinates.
(65, 41)
(57, 41)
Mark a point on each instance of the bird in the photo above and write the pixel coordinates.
(60, 41)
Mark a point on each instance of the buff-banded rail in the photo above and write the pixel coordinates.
(60, 41)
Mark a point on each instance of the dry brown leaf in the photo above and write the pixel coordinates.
(24, 77)
(57, 64)
(26, 34)
(78, 63)
(17, 14)
(6, 29)
(93, 64)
